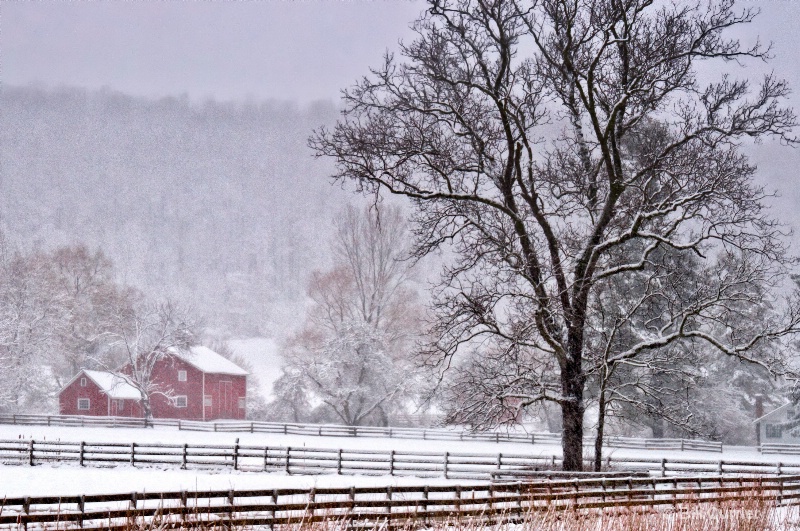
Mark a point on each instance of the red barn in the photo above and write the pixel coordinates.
(202, 386)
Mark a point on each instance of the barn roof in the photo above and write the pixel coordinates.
(209, 361)
(113, 385)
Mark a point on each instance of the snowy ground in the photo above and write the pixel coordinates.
(66, 479)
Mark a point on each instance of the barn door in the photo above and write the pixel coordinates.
(225, 399)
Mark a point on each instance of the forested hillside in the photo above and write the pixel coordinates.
(219, 205)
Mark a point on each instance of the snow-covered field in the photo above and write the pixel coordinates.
(66, 479)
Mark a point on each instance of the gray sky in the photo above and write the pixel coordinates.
(294, 50)
(229, 50)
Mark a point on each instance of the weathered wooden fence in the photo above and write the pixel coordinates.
(303, 460)
(334, 430)
(383, 506)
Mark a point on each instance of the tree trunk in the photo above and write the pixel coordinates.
(572, 409)
(147, 412)
(601, 422)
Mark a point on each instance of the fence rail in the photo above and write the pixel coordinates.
(384, 506)
(334, 430)
(311, 461)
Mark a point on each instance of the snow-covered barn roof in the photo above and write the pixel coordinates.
(112, 385)
(209, 361)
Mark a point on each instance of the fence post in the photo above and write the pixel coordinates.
(446, 457)
(133, 454)
(423, 434)
(266, 457)
(663, 467)
(236, 454)
(185, 455)
(681, 445)
(533, 439)
(83, 450)
(339, 463)
(425, 504)
(48, 420)
(389, 502)
(391, 463)
(81, 508)
(274, 504)
(30, 452)
(288, 449)
(312, 496)
(251, 426)
(458, 501)
(184, 505)
(284, 429)
(499, 461)
(780, 466)
(720, 467)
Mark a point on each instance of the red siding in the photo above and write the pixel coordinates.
(68, 399)
(224, 391)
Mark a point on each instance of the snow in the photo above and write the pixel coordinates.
(263, 355)
(209, 361)
(113, 385)
(66, 479)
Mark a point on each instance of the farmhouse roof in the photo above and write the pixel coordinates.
(774, 412)
(209, 361)
(112, 385)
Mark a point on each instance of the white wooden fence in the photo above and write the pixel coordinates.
(302, 460)
(334, 430)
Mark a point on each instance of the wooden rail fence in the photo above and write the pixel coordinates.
(382, 506)
(334, 430)
(303, 460)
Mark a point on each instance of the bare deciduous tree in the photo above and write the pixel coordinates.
(145, 335)
(558, 146)
(354, 352)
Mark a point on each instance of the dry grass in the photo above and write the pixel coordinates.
(752, 514)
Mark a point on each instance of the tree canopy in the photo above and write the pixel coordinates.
(566, 148)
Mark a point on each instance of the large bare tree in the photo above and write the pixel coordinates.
(354, 352)
(559, 145)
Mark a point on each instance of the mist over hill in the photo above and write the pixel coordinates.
(218, 205)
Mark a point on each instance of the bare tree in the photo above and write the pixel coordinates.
(559, 145)
(145, 335)
(354, 352)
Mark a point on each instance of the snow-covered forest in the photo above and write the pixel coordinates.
(220, 205)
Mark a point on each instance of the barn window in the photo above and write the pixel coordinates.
(207, 401)
(773, 431)
(180, 401)
(83, 382)
(241, 402)
(83, 404)
(181, 376)
(120, 405)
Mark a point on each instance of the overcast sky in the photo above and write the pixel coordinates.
(292, 50)
(229, 50)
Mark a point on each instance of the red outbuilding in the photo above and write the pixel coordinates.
(198, 384)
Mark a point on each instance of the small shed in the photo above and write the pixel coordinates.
(781, 425)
